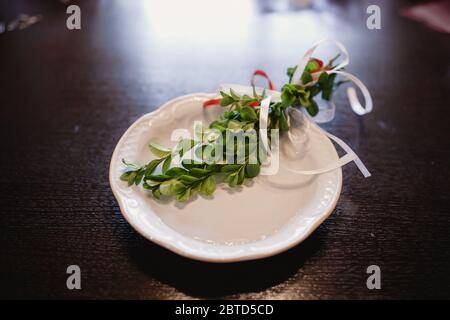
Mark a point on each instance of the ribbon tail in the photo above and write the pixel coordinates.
(349, 157)
(353, 98)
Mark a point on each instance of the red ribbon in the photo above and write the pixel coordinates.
(260, 73)
(211, 102)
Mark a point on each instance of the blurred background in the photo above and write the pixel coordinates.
(67, 96)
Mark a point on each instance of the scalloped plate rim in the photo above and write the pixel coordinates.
(205, 256)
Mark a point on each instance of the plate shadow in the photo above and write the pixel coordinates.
(219, 280)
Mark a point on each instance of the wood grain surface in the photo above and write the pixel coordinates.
(66, 97)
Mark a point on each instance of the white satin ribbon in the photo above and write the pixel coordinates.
(307, 56)
(348, 157)
(351, 92)
(353, 98)
(263, 119)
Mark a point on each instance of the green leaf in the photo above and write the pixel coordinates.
(235, 125)
(290, 72)
(327, 88)
(197, 172)
(194, 189)
(229, 115)
(241, 176)
(139, 176)
(125, 175)
(231, 167)
(208, 186)
(151, 166)
(131, 178)
(249, 126)
(248, 114)
(130, 165)
(315, 90)
(312, 65)
(166, 164)
(147, 186)
(158, 150)
(157, 193)
(304, 101)
(214, 167)
(252, 170)
(287, 96)
(151, 183)
(306, 77)
(171, 187)
(218, 125)
(159, 177)
(232, 179)
(187, 179)
(226, 99)
(323, 79)
(184, 196)
(284, 125)
(312, 109)
(176, 172)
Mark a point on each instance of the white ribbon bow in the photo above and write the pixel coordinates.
(351, 93)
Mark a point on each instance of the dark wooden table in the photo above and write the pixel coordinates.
(66, 97)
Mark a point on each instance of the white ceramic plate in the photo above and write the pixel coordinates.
(269, 216)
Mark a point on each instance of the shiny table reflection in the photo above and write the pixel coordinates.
(67, 97)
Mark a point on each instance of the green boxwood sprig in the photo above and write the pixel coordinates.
(183, 182)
